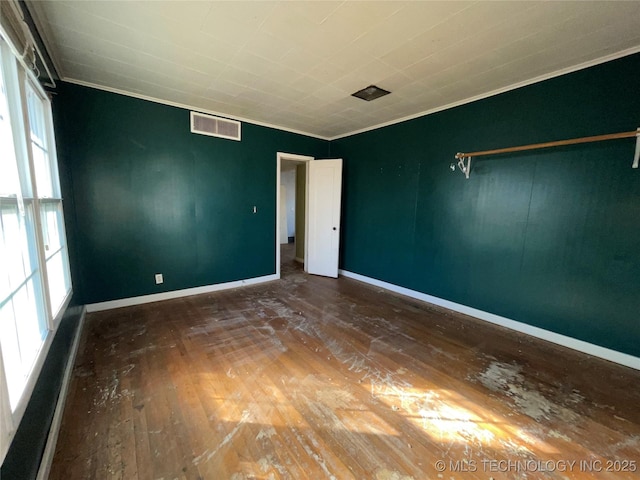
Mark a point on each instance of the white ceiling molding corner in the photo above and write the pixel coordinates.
(294, 65)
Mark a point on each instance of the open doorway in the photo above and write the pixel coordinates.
(322, 206)
(291, 212)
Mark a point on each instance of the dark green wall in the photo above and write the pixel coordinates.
(550, 238)
(151, 197)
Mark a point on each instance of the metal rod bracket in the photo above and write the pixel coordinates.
(464, 164)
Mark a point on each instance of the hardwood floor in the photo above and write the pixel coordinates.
(311, 377)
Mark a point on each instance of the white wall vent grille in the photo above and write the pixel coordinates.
(215, 126)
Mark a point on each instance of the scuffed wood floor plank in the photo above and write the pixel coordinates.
(310, 377)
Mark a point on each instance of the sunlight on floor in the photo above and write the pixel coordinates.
(446, 417)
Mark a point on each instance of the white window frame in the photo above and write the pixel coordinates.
(20, 77)
(53, 317)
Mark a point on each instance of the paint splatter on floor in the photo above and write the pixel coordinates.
(327, 379)
(507, 379)
(384, 474)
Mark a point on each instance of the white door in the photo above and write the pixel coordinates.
(323, 236)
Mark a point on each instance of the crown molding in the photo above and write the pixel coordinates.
(524, 83)
(36, 12)
(188, 107)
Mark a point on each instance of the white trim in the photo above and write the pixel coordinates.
(61, 311)
(557, 338)
(7, 426)
(54, 430)
(53, 54)
(25, 396)
(158, 297)
(524, 83)
(188, 107)
(278, 180)
(24, 155)
(36, 369)
(25, 84)
(296, 158)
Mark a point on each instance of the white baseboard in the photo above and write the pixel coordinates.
(557, 338)
(157, 297)
(299, 260)
(52, 438)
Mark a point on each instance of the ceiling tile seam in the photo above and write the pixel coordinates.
(602, 51)
(67, 45)
(278, 65)
(249, 90)
(125, 64)
(307, 132)
(213, 77)
(127, 77)
(548, 28)
(189, 107)
(135, 50)
(230, 64)
(370, 27)
(393, 71)
(133, 30)
(574, 40)
(540, 78)
(143, 36)
(144, 53)
(494, 27)
(129, 66)
(524, 83)
(443, 21)
(176, 64)
(255, 31)
(331, 13)
(200, 53)
(203, 16)
(103, 19)
(235, 80)
(267, 17)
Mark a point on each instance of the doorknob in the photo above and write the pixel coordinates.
(334, 228)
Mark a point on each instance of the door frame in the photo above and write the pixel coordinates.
(300, 159)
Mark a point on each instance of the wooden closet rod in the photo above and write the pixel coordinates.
(559, 143)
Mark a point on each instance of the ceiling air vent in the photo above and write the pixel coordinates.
(370, 93)
(215, 126)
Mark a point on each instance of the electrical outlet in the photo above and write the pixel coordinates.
(159, 278)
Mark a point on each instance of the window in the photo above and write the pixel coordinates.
(50, 199)
(35, 282)
(23, 323)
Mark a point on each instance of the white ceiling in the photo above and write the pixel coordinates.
(294, 65)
